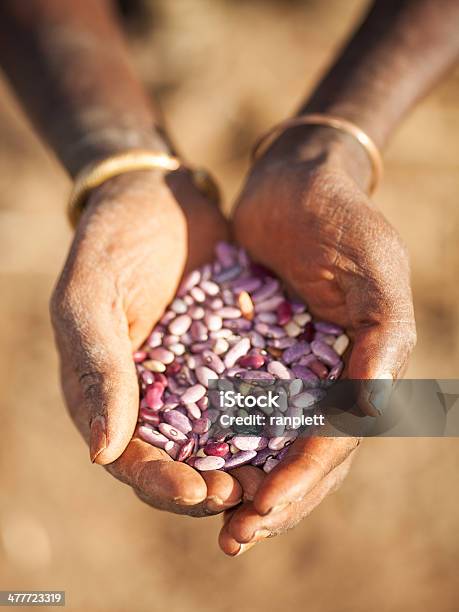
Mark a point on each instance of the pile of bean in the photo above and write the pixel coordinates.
(230, 320)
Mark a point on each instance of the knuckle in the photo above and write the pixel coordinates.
(92, 385)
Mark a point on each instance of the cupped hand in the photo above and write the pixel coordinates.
(137, 236)
(307, 219)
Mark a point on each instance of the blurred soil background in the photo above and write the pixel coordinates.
(224, 71)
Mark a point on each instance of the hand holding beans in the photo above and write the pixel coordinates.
(134, 241)
(303, 214)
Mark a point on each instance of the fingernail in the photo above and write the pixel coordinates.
(186, 501)
(260, 534)
(243, 548)
(277, 508)
(98, 438)
(379, 397)
(216, 503)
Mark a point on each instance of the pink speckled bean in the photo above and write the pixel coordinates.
(180, 325)
(213, 321)
(193, 394)
(204, 375)
(152, 436)
(172, 433)
(240, 349)
(185, 450)
(279, 370)
(250, 443)
(204, 464)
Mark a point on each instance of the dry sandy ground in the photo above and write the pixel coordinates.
(387, 541)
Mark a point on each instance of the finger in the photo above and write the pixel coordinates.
(246, 527)
(95, 344)
(223, 491)
(158, 480)
(307, 462)
(250, 478)
(379, 356)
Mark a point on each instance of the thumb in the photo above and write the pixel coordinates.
(96, 346)
(379, 357)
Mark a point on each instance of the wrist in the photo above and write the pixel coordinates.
(110, 140)
(320, 145)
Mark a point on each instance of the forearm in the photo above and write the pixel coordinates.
(68, 63)
(400, 51)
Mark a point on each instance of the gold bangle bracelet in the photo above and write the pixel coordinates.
(336, 123)
(97, 173)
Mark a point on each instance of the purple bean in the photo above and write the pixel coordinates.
(226, 254)
(205, 336)
(201, 426)
(240, 458)
(328, 328)
(270, 304)
(227, 275)
(213, 361)
(268, 289)
(178, 421)
(304, 373)
(325, 353)
(294, 352)
(199, 331)
(270, 331)
(256, 375)
(250, 284)
(257, 339)
(266, 317)
(238, 325)
(262, 456)
(282, 343)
